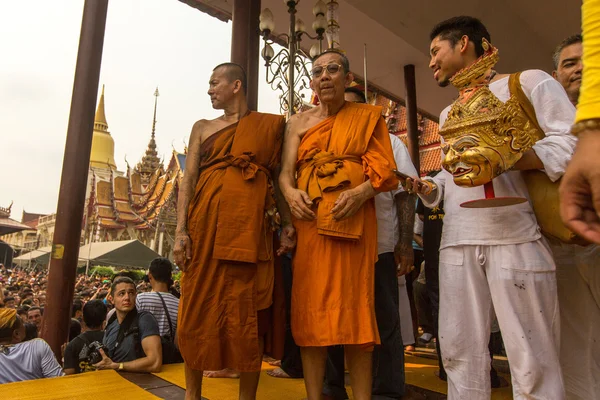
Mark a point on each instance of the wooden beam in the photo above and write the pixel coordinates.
(412, 127)
(71, 198)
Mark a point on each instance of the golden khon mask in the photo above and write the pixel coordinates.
(483, 137)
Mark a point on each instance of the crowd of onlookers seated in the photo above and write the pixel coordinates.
(112, 326)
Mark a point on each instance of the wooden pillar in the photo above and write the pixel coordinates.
(245, 44)
(69, 214)
(412, 125)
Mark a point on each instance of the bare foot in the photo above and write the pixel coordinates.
(275, 363)
(224, 373)
(278, 373)
(268, 359)
(410, 347)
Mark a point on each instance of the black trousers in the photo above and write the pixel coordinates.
(291, 362)
(388, 358)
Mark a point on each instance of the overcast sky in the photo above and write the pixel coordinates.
(148, 43)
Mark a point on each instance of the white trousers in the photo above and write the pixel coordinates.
(406, 325)
(519, 283)
(578, 280)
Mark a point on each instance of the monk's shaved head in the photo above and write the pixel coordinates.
(233, 72)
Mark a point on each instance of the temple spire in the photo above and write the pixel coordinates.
(150, 161)
(100, 119)
(156, 94)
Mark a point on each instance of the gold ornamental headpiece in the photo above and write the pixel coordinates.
(483, 136)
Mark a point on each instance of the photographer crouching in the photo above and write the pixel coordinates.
(132, 339)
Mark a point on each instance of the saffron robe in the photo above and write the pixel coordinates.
(231, 273)
(334, 265)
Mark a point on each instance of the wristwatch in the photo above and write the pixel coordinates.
(121, 367)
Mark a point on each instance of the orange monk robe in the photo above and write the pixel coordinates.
(334, 264)
(231, 273)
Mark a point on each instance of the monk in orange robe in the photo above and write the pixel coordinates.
(336, 158)
(224, 240)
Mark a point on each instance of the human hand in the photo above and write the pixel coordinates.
(416, 185)
(580, 188)
(300, 204)
(287, 240)
(404, 256)
(182, 252)
(106, 362)
(348, 203)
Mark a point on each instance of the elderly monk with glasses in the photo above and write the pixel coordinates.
(336, 158)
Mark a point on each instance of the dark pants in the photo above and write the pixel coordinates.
(423, 305)
(291, 362)
(388, 358)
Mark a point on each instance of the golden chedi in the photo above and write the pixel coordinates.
(483, 136)
(103, 145)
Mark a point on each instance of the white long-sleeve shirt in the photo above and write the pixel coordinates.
(387, 215)
(517, 223)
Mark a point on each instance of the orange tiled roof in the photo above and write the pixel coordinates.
(431, 160)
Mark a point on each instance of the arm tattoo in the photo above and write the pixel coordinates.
(405, 205)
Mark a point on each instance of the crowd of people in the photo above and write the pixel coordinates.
(116, 323)
(341, 193)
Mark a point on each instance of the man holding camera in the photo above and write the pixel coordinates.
(132, 341)
(79, 354)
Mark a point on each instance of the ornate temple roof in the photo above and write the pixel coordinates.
(122, 202)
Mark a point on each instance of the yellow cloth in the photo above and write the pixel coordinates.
(589, 99)
(89, 386)
(8, 316)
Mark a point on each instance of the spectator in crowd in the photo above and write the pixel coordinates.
(132, 338)
(77, 310)
(94, 316)
(34, 315)
(19, 360)
(22, 313)
(74, 329)
(9, 302)
(160, 302)
(30, 331)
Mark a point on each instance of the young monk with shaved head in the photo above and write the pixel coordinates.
(336, 158)
(225, 220)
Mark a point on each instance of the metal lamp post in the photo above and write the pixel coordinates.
(287, 70)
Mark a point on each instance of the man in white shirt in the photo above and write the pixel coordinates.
(22, 361)
(496, 258)
(577, 269)
(395, 218)
(160, 300)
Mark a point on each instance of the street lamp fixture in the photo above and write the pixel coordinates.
(287, 71)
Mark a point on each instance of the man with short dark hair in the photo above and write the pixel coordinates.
(94, 317)
(35, 316)
(77, 310)
(132, 338)
(225, 219)
(568, 66)
(160, 302)
(577, 268)
(9, 302)
(19, 360)
(336, 158)
(495, 258)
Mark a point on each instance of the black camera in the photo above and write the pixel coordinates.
(91, 353)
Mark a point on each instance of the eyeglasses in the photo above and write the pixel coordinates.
(332, 69)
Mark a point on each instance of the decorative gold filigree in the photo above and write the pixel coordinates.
(484, 137)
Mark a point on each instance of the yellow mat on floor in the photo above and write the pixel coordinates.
(89, 386)
(419, 371)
